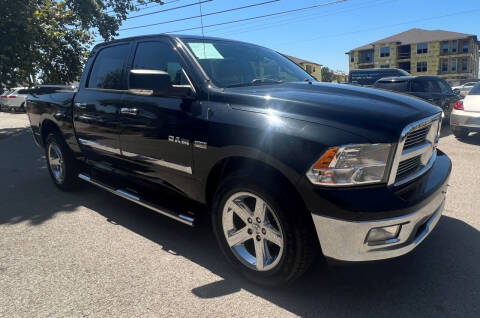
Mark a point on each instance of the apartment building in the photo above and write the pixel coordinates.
(450, 55)
(311, 68)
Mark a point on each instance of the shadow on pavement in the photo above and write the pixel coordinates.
(440, 278)
(472, 139)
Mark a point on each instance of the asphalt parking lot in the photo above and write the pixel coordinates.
(90, 253)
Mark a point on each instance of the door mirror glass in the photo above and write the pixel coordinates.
(155, 82)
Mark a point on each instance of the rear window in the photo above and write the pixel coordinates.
(393, 86)
(475, 90)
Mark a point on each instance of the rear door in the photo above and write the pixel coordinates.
(97, 105)
(448, 98)
(427, 89)
(471, 103)
(153, 145)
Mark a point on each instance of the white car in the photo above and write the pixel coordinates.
(465, 116)
(15, 99)
(465, 88)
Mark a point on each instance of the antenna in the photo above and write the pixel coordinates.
(204, 56)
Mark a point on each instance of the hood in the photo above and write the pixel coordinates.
(377, 115)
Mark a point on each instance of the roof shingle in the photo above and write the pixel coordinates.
(415, 35)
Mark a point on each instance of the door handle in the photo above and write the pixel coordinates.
(80, 105)
(129, 111)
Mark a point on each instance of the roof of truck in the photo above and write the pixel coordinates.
(172, 36)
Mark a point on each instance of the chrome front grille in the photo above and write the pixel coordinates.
(416, 150)
(416, 137)
(408, 166)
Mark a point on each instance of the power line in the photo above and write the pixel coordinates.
(198, 16)
(147, 6)
(250, 18)
(262, 16)
(388, 26)
(244, 28)
(169, 9)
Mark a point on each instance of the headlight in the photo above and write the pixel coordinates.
(350, 165)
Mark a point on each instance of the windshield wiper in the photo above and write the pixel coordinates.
(256, 81)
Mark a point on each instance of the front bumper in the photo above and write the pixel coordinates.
(416, 206)
(460, 118)
(346, 241)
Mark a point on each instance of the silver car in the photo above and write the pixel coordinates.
(465, 116)
(15, 99)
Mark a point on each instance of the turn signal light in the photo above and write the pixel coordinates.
(325, 159)
(458, 105)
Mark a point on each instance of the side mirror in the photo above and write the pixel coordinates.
(157, 83)
(456, 91)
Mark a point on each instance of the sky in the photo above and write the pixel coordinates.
(322, 34)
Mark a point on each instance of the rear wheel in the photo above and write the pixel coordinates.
(267, 239)
(460, 132)
(63, 167)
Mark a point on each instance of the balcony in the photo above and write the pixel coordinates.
(403, 52)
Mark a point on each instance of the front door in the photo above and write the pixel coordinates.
(97, 105)
(151, 143)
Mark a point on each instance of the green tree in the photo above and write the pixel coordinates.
(327, 74)
(48, 40)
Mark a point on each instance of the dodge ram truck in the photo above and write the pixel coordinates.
(287, 167)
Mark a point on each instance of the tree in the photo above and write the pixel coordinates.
(327, 74)
(48, 40)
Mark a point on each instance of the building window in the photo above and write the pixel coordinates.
(444, 66)
(422, 67)
(454, 46)
(385, 66)
(385, 51)
(313, 69)
(352, 57)
(308, 68)
(444, 47)
(465, 46)
(464, 65)
(454, 65)
(422, 48)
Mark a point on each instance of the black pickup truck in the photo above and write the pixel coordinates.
(287, 167)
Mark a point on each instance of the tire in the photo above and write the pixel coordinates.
(22, 108)
(62, 166)
(460, 132)
(291, 229)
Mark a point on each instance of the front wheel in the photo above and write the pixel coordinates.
(267, 239)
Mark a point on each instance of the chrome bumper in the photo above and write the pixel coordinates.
(460, 118)
(346, 240)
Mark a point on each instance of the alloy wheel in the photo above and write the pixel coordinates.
(56, 162)
(253, 231)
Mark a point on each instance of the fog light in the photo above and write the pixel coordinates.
(383, 234)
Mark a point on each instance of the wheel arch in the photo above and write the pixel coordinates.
(46, 127)
(248, 166)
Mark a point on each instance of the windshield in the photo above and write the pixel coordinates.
(233, 64)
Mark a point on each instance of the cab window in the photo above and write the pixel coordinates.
(161, 57)
(107, 70)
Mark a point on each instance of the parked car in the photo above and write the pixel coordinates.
(464, 89)
(285, 167)
(15, 99)
(466, 114)
(368, 76)
(433, 89)
(3, 98)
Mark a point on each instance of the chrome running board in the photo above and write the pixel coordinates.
(185, 219)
